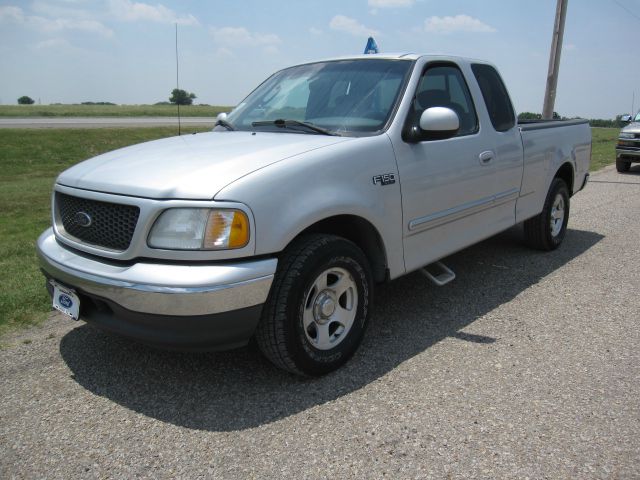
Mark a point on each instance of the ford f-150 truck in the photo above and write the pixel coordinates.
(628, 146)
(328, 178)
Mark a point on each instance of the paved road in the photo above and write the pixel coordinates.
(527, 366)
(102, 122)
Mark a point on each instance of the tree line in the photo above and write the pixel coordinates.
(594, 122)
(178, 97)
(182, 97)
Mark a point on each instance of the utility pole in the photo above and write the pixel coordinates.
(554, 60)
(177, 80)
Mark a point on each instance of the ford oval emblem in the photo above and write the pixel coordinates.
(65, 300)
(82, 219)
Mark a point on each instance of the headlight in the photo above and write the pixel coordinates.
(200, 229)
(626, 135)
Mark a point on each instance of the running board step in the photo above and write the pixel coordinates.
(438, 273)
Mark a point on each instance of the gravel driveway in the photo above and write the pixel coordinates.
(526, 366)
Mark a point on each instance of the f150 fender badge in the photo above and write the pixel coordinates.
(384, 179)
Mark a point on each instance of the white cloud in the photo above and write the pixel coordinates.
(240, 36)
(390, 3)
(351, 26)
(91, 26)
(11, 14)
(60, 9)
(271, 50)
(569, 47)
(459, 23)
(15, 15)
(315, 31)
(223, 52)
(129, 11)
(52, 43)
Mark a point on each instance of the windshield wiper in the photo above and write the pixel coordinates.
(224, 123)
(282, 123)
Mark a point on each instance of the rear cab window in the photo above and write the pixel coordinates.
(495, 97)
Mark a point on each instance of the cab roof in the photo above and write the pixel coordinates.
(396, 56)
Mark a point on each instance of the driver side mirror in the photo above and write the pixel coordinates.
(625, 118)
(436, 123)
(439, 121)
(221, 119)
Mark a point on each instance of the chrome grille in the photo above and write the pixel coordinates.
(103, 224)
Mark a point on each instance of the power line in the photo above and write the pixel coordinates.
(626, 9)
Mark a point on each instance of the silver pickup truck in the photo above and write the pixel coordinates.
(328, 178)
(628, 146)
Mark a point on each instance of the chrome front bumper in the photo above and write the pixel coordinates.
(160, 288)
(622, 152)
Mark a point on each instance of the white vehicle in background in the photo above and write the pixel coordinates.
(328, 178)
(628, 146)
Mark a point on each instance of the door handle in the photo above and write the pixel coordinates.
(486, 157)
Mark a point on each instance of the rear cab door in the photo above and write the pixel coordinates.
(459, 190)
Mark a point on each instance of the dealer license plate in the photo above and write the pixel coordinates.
(65, 300)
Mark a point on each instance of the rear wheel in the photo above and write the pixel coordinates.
(622, 166)
(547, 230)
(318, 307)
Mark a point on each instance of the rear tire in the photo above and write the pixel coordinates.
(547, 230)
(622, 166)
(318, 307)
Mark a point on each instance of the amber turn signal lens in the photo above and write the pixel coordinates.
(226, 229)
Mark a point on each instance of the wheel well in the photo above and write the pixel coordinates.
(565, 172)
(362, 233)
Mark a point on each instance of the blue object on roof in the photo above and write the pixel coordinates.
(372, 46)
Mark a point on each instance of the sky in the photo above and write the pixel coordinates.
(123, 51)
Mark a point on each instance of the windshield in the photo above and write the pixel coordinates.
(637, 119)
(343, 97)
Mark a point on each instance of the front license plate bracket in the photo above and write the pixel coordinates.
(65, 300)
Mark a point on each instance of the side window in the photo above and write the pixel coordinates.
(445, 86)
(495, 97)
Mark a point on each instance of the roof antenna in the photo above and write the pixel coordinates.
(177, 78)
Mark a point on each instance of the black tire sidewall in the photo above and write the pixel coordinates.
(558, 187)
(336, 253)
(622, 166)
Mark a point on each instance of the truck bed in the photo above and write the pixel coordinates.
(526, 125)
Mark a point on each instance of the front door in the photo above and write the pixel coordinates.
(448, 186)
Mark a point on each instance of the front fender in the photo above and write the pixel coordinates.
(289, 196)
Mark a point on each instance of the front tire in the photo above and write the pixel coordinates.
(547, 230)
(318, 307)
(622, 166)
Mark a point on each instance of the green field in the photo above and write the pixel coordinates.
(110, 110)
(603, 147)
(30, 160)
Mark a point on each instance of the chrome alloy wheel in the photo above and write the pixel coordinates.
(557, 215)
(330, 308)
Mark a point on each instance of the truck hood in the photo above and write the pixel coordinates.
(632, 128)
(192, 167)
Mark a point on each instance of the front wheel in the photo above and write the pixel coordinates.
(622, 166)
(318, 307)
(547, 230)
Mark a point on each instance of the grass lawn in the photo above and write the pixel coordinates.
(30, 159)
(110, 110)
(603, 151)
